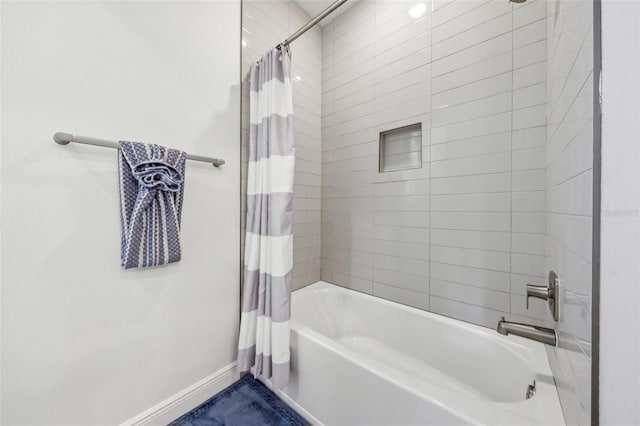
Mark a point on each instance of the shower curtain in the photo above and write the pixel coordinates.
(268, 255)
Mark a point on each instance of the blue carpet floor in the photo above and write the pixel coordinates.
(245, 403)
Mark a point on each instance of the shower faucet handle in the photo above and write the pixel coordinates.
(539, 291)
(550, 293)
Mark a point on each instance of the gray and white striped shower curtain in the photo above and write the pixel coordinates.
(268, 255)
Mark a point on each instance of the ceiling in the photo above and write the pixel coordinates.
(313, 7)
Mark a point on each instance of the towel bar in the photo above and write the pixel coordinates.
(63, 138)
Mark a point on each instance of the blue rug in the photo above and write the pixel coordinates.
(245, 403)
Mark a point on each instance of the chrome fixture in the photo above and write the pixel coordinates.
(533, 332)
(531, 390)
(306, 27)
(517, 1)
(63, 138)
(549, 293)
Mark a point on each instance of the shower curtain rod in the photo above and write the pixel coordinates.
(306, 27)
(63, 138)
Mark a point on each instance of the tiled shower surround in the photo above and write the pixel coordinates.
(462, 235)
(569, 197)
(503, 93)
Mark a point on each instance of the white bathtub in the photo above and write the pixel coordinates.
(361, 360)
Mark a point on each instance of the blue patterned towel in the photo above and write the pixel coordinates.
(151, 193)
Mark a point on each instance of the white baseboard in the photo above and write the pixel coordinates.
(187, 399)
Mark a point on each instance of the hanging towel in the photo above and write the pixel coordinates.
(151, 193)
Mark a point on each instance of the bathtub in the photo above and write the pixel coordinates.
(360, 360)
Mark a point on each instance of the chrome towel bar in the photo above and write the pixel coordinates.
(63, 138)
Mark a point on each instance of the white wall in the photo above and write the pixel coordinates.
(620, 221)
(84, 342)
(462, 235)
(265, 24)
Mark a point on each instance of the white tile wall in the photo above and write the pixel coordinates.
(569, 162)
(265, 24)
(452, 235)
(376, 73)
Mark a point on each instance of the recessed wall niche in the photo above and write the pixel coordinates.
(401, 148)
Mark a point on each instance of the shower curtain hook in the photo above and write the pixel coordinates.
(282, 45)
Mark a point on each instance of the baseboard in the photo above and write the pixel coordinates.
(187, 399)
